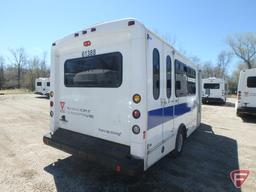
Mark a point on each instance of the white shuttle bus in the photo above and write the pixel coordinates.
(214, 90)
(121, 96)
(42, 85)
(246, 93)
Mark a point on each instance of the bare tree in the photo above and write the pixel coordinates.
(207, 69)
(244, 46)
(223, 61)
(18, 60)
(1, 72)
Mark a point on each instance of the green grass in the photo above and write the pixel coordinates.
(232, 96)
(14, 91)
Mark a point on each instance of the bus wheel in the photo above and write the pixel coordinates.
(179, 142)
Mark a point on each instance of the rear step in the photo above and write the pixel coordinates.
(109, 154)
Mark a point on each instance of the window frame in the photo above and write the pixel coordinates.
(181, 67)
(254, 79)
(121, 69)
(155, 50)
(212, 84)
(168, 58)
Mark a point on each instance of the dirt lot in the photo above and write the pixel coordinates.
(223, 143)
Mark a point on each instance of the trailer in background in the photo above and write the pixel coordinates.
(246, 93)
(42, 86)
(214, 90)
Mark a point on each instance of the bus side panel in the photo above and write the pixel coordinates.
(54, 111)
(138, 81)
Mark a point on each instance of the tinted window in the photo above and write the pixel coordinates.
(211, 86)
(39, 83)
(48, 84)
(168, 76)
(251, 82)
(191, 81)
(156, 74)
(181, 79)
(96, 71)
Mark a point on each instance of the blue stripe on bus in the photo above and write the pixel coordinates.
(162, 115)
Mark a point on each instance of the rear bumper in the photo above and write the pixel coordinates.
(246, 110)
(212, 100)
(109, 154)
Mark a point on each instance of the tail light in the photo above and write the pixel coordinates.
(136, 129)
(136, 114)
(136, 98)
(51, 103)
(87, 43)
(118, 168)
(239, 95)
(51, 94)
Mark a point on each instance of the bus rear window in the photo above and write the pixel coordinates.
(96, 71)
(251, 82)
(211, 86)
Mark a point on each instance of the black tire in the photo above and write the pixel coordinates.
(180, 138)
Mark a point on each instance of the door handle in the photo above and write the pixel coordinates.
(163, 101)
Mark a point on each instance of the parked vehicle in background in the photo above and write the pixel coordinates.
(121, 96)
(214, 90)
(246, 93)
(42, 86)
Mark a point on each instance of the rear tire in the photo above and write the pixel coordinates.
(180, 138)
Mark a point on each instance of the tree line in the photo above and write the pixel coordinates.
(20, 71)
(242, 46)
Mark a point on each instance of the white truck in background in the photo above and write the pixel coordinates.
(214, 90)
(42, 86)
(246, 93)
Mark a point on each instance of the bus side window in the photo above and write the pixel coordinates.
(181, 79)
(168, 76)
(156, 74)
(191, 81)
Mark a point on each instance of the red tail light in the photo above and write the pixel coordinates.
(118, 168)
(136, 114)
(239, 95)
(87, 43)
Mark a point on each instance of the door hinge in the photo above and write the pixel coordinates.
(148, 37)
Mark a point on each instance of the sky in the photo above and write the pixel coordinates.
(199, 27)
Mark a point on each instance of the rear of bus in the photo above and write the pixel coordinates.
(97, 96)
(213, 90)
(246, 93)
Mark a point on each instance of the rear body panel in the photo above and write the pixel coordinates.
(106, 113)
(247, 90)
(42, 86)
(102, 112)
(213, 90)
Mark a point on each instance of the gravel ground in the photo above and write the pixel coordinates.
(223, 143)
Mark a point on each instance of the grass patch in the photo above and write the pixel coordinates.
(14, 91)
